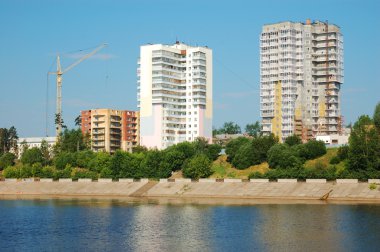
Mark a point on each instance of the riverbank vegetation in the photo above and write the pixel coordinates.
(256, 156)
(72, 158)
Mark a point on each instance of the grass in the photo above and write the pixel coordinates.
(372, 186)
(322, 161)
(223, 169)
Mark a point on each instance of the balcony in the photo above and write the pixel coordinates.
(98, 132)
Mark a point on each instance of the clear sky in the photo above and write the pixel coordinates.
(32, 32)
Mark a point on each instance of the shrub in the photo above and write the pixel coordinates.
(372, 186)
(11, 172)
(36, 170)
(65, 173)
(139, 149)
(314, 149)
(335, 160)
(78, 173)
(7, 159)
(100, 161)
(106, 173)
(31, 156)
(293, 140)
(84, 158)
(213, 151)
(63, 159)
(197, 167)
(281, 156)
(343, 152)
(47, 172)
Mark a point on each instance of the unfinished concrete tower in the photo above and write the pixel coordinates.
(300, 79)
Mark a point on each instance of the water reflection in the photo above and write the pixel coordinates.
(134, 226)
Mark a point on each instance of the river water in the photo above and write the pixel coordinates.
(117, 225)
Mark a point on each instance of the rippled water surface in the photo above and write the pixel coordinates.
(113, 225)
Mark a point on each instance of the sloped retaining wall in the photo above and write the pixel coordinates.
(203, 188)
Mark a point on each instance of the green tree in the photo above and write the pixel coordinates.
(342, 153)
(282, 156)
(243, 157)
(101, 161)
(230, 128)
(213, 151)
(201, 145)
(364, 146)
(311, 149)
(119, 161)
(260, 148)
(254, 129)
(62, 159)
(233, 146)
(7, 159)
(174, 159)
(139, 149)
(215, 131)
(376, 117)
(32, 156)
(8, 139)
(84, 158)
(45, 150)
(150, 166)
(71, 141)
(293, 140)
(186, 148)
(197, 167)
(78, 121)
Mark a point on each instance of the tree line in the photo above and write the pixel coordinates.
(72, 158)
(359, 159)
(232, 128)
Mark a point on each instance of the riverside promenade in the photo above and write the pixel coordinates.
(287, 189)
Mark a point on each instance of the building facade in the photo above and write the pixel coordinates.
(110, 129)
(301, 73)
(174, 93)
(31, 142)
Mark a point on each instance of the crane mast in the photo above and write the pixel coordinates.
(59, 73)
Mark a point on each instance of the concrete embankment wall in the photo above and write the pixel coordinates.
(287, 189)
(204, 188)
(67, 187)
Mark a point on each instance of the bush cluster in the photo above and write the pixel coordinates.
(194, 158)
(329, 173)
(243, 152)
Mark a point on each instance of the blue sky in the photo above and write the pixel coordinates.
(32, 32)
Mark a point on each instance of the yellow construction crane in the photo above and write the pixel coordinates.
(59, 73)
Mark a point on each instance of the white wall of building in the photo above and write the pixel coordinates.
(174, 94)
(32, 142)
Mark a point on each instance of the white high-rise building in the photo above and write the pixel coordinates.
(300, 79)
(174, 93)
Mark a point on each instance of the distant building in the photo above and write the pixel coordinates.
(333, 140)
(31, 142)
(300, 79)
(110, 129)
(174, 94)
(223, 139)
